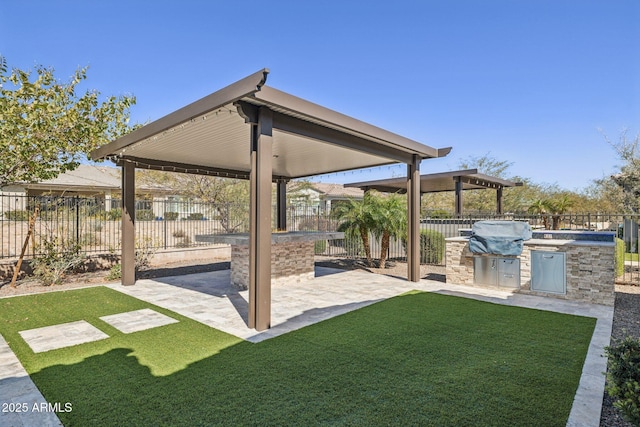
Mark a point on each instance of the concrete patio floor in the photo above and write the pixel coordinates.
(210, 299)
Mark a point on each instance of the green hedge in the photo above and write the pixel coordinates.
(195, 216)
(114, 214)
(145, 215)
(620, 251)
(17, 215)
(170, 216)
(623, 374)
(320, 246)
(432, 246)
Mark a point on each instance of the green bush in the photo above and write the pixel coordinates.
(170, 216)
(179, 233)
(620, 251)
(115, 272)
(185, 243)
(439, 214)
(145, 215)
(195, 216)
(17, 215)
(57, 257)
(320, 246)
(623, 377)
(145, 250)
(114, 214)
(432, 246)
(90, 239)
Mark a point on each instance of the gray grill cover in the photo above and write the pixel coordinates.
(499, 237)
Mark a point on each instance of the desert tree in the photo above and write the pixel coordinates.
(47, 127)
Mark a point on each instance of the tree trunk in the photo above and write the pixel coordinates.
(364, 234)
(384, 248)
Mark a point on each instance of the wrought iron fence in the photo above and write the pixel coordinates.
(95, 225)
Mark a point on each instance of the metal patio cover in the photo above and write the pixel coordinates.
(211, 136)
(466, 179)
(252, 131)
(438, 182)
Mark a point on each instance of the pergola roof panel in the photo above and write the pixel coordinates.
(215, 132)
(202, 141)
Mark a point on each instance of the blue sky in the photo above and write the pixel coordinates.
(528, 81)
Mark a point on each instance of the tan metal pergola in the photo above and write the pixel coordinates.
(251, 131)
(466, 179)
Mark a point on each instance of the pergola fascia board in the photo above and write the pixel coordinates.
(271, 118)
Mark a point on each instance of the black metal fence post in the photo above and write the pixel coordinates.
(77, 203)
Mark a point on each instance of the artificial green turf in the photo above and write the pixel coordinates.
(417, 359)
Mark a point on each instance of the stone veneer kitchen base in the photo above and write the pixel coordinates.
(590, 271)
(291, 262)
(292, 255)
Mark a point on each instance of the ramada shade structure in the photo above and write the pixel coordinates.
(251, 131)
(466, 179)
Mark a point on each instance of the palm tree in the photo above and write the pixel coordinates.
(356, 220)
(539, 207)
(558, 207)
(555, 207)
(389, 216)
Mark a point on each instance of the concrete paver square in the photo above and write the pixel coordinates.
(60, 336)
(138, 320)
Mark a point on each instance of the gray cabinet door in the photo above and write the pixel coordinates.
(509, 272)
(548, 272)
(485, 270)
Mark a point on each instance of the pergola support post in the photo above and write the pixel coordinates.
(499, 201)
(260, 222)
(281, 196)
(128, 251)
(458, 189)
(413, 219)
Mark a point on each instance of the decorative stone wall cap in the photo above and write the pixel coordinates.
(591, 236)
(456, 239)
(559, 242)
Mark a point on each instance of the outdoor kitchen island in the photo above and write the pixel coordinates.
(292, 255)
(572, 265)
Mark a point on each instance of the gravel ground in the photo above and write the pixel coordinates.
(626, 315)
(626, 321)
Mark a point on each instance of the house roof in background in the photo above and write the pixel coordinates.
(85, 176)
(337, 190)
(91, 178)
